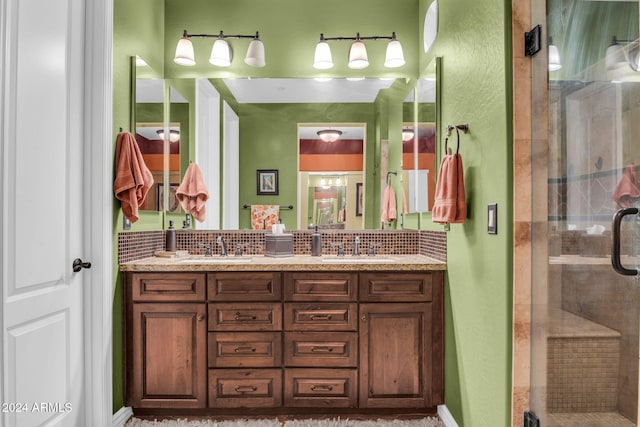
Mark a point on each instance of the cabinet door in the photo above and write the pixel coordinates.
(168, 356)
(395, 359)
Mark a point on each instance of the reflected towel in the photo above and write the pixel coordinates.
(264, 216)
(627, 192)
(450, 204)
(192, 193)
(389, 212)
(133, 177)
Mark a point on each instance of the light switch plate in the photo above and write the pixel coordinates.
(492, 218)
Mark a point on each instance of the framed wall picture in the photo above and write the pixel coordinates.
(358, 199)
(267, 182)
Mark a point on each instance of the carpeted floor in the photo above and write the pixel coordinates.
(275, 422)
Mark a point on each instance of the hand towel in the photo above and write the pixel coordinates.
(450, 205)
(192, 193)
(627, 192)
(389, 212)
(264, 216)
(133, 178)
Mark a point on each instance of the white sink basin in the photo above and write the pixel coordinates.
(217, 260)
(369, 260)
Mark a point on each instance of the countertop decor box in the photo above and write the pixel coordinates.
(278, 245)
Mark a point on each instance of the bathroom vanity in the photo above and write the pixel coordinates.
(279, 336)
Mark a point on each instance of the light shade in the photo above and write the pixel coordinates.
(220, 53)
(407, 134)
(255, 53)
(329, 135)
(184, 53)
(554, 58)
(322, 59)
(358, 55)
(395, 56)
(174, 134)
(615, 56)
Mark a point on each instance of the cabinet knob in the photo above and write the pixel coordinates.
(200, 317)
(364, 318)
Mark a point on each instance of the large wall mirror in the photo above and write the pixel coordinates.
(277, 115)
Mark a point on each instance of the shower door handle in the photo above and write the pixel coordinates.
(615, 247)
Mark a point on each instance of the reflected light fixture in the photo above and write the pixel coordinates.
(618, 56)
(358, 58)
(329, 135)
(407, 134)
(174, 134)
(221, 54)
(554, 56)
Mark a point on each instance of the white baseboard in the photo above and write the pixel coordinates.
(122, 416)
(446, 416)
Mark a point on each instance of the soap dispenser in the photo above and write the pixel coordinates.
(316, 243)
(170, 242)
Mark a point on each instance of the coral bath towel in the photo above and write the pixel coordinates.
(627, 192)
(133, 178)
(450, 205)
(389, 212)
(264, 216)
(192, 193)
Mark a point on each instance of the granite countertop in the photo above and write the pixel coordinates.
(293, 263)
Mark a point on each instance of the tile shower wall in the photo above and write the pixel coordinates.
(137, 245)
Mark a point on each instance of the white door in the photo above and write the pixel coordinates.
(41, 147)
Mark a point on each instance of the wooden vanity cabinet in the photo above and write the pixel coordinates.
(166, 333)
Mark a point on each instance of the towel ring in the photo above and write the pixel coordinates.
(446, 144)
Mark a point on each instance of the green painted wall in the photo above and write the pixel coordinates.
(474, 42)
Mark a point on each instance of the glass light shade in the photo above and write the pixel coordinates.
(615, 57)
(329, 135)
(184, 53)
(174, 135)
(255, 54)
(554, 58)
(407, 134)
(358, 56)
(220, 53)
(322, 59)
(395, 56)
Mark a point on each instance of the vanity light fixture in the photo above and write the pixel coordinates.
(358, 58)
(174, 134)
(221, 52)
(554, 56)
(618, 56)
(329, 135)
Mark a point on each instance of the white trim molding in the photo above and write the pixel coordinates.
(446, 416)
(121, 417)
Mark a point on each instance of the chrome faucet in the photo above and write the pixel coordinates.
(223, 246)
(356, 246)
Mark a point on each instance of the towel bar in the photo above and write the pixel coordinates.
(281, 207)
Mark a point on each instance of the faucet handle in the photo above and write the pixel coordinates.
(239, 248)
(340, 248)
(372, 248)
(207, 249)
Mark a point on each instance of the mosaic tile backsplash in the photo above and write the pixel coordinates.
(138, 245)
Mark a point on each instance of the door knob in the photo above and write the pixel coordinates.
(79, 265)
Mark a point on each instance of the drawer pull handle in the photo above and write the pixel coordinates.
(325, 349)
(246, 389)
(320, 317)
(245, 349)
(245, 317)
(324, 388)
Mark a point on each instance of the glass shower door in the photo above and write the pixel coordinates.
(585, 314)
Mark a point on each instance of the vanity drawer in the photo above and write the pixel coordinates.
(320, 349)
(320, 286)
(245, 388)
(241, 286)
(396, 287)
(245, 317)
(244, 349)
(327, 388)
(321, 317)
(170, 287)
